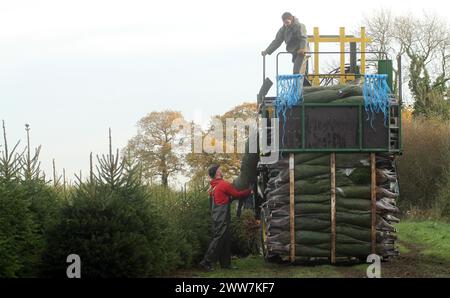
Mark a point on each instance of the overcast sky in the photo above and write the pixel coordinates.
(71, 69)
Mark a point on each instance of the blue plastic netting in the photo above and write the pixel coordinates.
(289, 94)
(376, 96)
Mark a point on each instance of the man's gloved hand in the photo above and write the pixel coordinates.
(263, 53)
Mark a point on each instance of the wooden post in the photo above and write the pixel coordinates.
(333, 206)
(292, 207)
(373, 206)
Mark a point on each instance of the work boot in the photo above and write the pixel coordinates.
(206, 266)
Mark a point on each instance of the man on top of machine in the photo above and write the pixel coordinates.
(294, 34)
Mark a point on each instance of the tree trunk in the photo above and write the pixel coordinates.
(164, 178)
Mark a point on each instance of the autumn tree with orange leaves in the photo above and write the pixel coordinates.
(229, 162)
(152, 146)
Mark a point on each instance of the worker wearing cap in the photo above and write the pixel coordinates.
(294, 34)
(220, 193)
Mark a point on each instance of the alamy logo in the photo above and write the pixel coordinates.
(374, 269)
(74, 269)
(231, 138)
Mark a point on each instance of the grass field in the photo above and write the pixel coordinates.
(424, 252)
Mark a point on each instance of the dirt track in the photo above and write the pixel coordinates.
(411, 263)
(414, 264)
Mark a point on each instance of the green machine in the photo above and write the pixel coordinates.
(331, 195)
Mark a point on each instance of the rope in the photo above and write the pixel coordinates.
(376, 96)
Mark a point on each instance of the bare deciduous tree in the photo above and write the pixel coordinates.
(424, 43)
(379, 28)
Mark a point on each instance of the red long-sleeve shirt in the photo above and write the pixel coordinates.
(223, 190)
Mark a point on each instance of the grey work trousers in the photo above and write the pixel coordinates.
(298, 62)
(220, 246)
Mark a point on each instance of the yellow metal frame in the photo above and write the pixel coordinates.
(342, 39)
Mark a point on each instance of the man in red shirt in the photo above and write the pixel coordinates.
(220, 193)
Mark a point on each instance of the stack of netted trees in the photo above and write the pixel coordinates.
(338, 212)
(313, 207)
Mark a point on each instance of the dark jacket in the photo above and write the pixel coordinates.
(294, 36)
